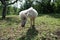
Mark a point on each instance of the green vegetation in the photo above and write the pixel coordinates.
(47, 23)
(47, 28)
(42, 6)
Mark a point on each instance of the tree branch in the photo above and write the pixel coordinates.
(12, 2)
(38, 2)
(3, 1)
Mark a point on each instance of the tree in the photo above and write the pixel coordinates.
(28, 4)
(5, 3)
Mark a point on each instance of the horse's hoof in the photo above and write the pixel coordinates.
(22, 26)
(33, 25)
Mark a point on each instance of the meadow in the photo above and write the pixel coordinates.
(47, 27)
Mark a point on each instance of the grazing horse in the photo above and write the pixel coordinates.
(28, 13)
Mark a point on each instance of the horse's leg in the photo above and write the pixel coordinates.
(33, 21)
(30, 21)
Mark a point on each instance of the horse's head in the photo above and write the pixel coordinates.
(23, 21)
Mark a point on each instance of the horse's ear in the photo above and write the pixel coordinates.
(31, 7)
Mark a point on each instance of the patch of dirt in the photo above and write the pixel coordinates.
(10, 33)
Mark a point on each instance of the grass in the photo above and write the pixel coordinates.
(47, 28)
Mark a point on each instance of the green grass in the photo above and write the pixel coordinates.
(47, 28)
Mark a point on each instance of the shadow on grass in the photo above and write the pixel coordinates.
(54, 15)
(12, 20)
(30, 35)
(51, 15)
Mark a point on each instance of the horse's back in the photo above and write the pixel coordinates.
(32, 13)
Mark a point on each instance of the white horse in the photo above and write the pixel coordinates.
(31, 13)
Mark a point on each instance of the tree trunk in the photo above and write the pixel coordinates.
(4, 12)
(5, 4)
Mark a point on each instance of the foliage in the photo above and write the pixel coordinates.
(12, 10)
(27, 4)
(44, 6)
(5, 3)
